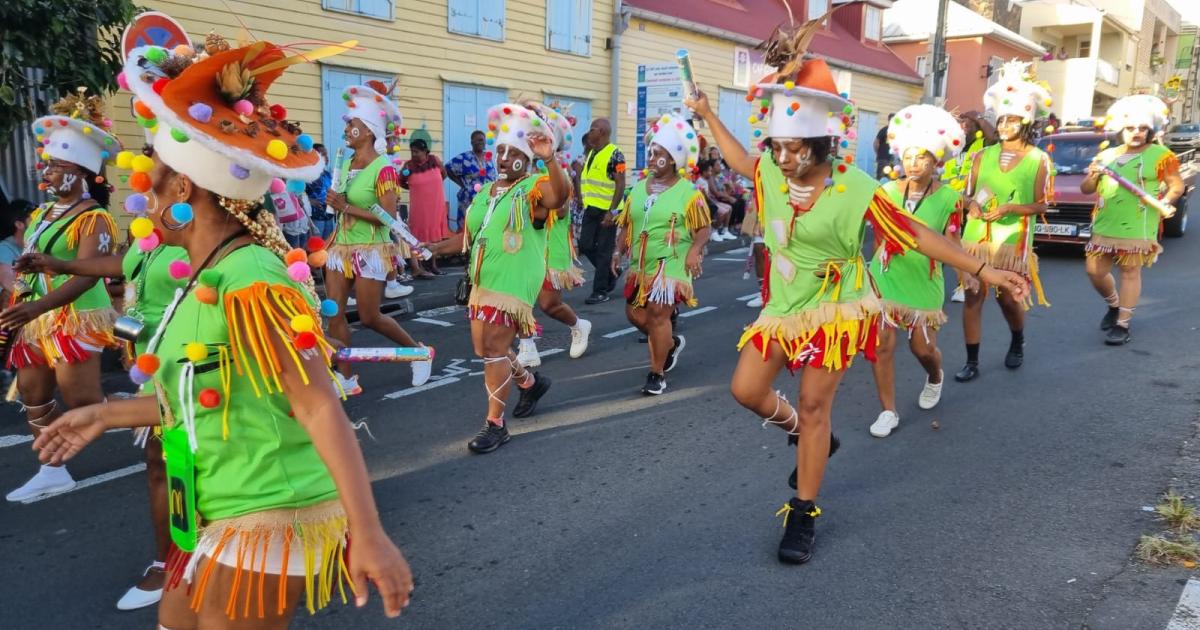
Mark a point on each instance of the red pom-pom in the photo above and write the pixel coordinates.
(209, 398)
(315, 243)
(278, 112)
(841, 168)
(403, 131)
(507, 110)
(63, 123)
(306, 340)
(158, 86)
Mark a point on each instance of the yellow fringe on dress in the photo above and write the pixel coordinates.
(910, 318)
(565, 279)
(255, 313)
(321, 531)
(519, 311)
(696, 215)
(85, 225)
(92, 327)
(657, 288)
(1008, 257)
(854, 321)
(1127, 252)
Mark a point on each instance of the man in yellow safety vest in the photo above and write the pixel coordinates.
(601, 189)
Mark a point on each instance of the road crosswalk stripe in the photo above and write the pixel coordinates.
(92, 481)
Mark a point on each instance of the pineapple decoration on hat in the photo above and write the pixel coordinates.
(679, 138)
(558, 124)
(1137, 110)
(372, 104)
(926, 127)
(1018, 93)
(78, 132)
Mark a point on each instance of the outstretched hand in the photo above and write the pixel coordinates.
(69, 434)
(38, 263)
(542, 146)
(1015, 284)
(376, 559)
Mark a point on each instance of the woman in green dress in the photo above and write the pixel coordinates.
(267, 485)
(1125, 229)
(819, 310)
(911, 287)
(664, 227)
(506, 237)
(1010, 183)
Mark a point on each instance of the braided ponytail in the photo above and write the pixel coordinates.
(265, 231)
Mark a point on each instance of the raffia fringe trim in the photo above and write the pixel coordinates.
(519, 311)
(320, 529)
(910, 318)
(1128, 252)
(837, 321)
(341, 257)
(1006, 257)
(661, 289)
(87, 326)
(565, 279)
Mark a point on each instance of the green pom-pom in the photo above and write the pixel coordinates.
(146, 122)
(179, 136)
(156, 55)
(848, 110)
(210, 277)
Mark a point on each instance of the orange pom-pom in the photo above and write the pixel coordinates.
(318, 258)
(206, 295)
(139, 182)
(143, 110)
(147, 363)
(295, 256)
(849, 159)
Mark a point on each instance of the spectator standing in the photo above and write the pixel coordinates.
(422, 176)
(12, 229)
(883, 155)
(315, 191)
(602, 188)
(470, 170)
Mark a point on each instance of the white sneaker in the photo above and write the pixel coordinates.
(528, 355)
(931, 393)
(715, 237)
(959, 295)
(395, 290)
(726, 236)
(48, 480)
(755, 302)
(421, 372)
(580, 333)
(350, 301)
(136, 598)
(348, 385)
(885, 423)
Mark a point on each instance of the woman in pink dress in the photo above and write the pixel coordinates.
(422, 176)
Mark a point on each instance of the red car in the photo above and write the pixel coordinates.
(1069, 216)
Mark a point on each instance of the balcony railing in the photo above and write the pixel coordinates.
(1107, 72)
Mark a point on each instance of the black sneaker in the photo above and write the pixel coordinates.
(799, 534)
(1110, 318)
(596, 298)
(834, 445)
(673, 355)
(1014, 358)
(489, 438)
(969, 372)
(529, 397)
(655, 384)
(1117, 335)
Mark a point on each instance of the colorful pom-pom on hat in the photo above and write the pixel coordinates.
(819, 103)
(677, 137)
(1137, 110)
(372, 104)
(925, 127)
(78, 132)
(1016, 93)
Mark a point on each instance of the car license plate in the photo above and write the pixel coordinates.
(1055, 229)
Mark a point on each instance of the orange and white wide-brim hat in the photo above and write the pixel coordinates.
(807, 105)
(1137, 110)
(75, 140)
(925, 127)
(213, 123)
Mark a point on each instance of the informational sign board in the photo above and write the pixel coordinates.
(153, 28)
(658, 92)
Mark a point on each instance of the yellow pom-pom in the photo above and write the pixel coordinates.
(783, 188)
(141, 164)
(195, 352)
(124, 160)
(1049, 128)
(789, 85)
(87, 131)
(141, 227)
(939, 153)
(277, 149)
(1104, 145)
(303, 323)
(840, 188)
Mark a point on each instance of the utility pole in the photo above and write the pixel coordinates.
(933, 93)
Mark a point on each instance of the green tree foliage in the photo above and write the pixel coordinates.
(71, 42)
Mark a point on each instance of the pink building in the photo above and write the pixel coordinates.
(975, 47)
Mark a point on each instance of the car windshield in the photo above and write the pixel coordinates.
(1189, 128)
(1071, 155)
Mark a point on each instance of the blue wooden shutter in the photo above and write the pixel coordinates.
(581, 27)
(463, 16)
(558, 25)
(333, 82)
(376, 8)
(491, 19)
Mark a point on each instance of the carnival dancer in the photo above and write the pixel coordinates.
(664, 227)
(1010, 183)
(978, 133)
(562, 274)
(61, 324)
(505, 233)
(363, 252)
(1126, 226)
(267, 483)
(911, 287)
(819, 310)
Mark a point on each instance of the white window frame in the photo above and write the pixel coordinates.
(1079, 48)
(868, 23)
(328, 6)
(587, 37)
(479, 24)
(811, 5)
(994, 63)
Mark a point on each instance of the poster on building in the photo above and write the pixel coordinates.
(748, 67)
(659, 92)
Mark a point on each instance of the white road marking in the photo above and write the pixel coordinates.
(442, 310)
(731, 259)
(420, 388)
(546, 353)
(14, 440)
(92, 481)
(435, 322)
(740, 250)
(617, 333)
(1187, 611)
(702, 309)
(747, 298)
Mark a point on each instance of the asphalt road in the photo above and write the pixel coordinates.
(613, 510)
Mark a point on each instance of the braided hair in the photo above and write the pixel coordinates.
(263, 229)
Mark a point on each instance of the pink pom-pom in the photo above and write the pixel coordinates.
(277, 186)
(299, 271)
(122, 81)
(179, 269)
(147, 245)
(244, 107)
(478, 187)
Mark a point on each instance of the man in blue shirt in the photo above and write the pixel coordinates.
(316, 190)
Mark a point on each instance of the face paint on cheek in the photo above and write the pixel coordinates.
(661, 162)
(68, 183)
(355, 132)
(518, 165)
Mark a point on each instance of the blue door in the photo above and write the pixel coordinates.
(581, 111)
(734, 112)
(464, 109)
(864, 152)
